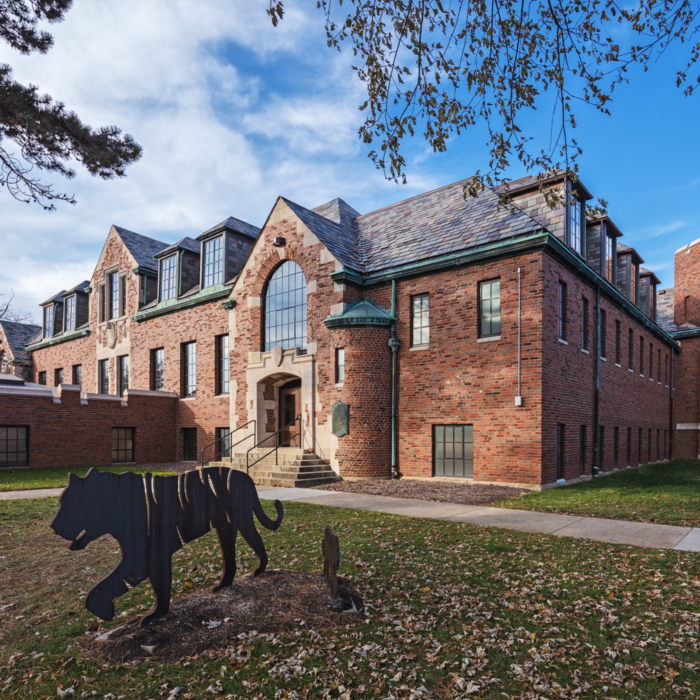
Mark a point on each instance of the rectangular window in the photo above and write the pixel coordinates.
(630, 350)
(601, 448)
(222, 364)
(102, 317)
(213, 261)
(560, 451)
(168, 278)
(609, 260)
(639, 446)
(114, 295)
(340, 365)
(665, 437)
(584, 324)
(69, 319)
(158, 369)
(14, 446)
(649, 446)
(453, 450)
(122, 445)
(78, 375)
(122, 296)
(658, 363)
(582, 450)
(617, 342)
(189, 366)
(651, 360)
(629, 447)
(123, 373)
(603, 334)
(420, 320)
(641, 356)
(575, 223)
(666, 371)
(562, 311)
(223, 442)
(490, 309)
(189, 444)
(42, 378)
(58, 376)
(48, 321)
(103, 377)
(616, 447)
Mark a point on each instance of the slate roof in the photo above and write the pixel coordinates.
(142, 248)
(19, 335)
(79, 287)
(644, 271)
(234, 224)
(187, 243)
(622, 248)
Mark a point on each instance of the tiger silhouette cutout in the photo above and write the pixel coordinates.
(152, 517)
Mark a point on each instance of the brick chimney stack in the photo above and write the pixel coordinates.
(686, 306)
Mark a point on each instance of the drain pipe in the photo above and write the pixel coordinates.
(670, 411)
(394, 345)
(596, 393)
(519, 397)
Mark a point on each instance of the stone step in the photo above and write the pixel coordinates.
(294, 475)
(311, 461)
(278, 482)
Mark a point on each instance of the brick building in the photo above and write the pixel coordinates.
(436, 337)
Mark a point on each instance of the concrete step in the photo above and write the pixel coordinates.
(278, 482)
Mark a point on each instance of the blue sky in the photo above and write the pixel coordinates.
(232, 112)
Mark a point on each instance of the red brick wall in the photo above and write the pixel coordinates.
(686, 298)
(626, 398)
(686, 398)
(70, 434)
(80, 351)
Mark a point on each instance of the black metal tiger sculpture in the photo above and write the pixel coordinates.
(151, 517)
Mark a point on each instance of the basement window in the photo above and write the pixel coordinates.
(122, 445)
(453, 450)
(14, 446)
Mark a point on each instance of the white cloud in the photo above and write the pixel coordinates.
(662, 229)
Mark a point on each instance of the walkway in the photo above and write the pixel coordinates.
(602, 529)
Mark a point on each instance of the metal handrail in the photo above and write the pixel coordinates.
(276, 447)
(230, 447)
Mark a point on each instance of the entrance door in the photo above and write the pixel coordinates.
(189, 444)
(290, 408)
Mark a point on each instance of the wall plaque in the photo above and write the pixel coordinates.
(341, 419)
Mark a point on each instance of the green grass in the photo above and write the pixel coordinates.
(55, 477)
(455, 611)
(657, 493)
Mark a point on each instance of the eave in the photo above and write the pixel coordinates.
(167, 307)
(63, 338)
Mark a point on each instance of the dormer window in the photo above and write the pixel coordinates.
(48, 321)
(168, 278)
(69, 324)
(575, 223)
(213, 261)
(609, 261)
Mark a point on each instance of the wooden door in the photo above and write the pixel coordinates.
(290, 408)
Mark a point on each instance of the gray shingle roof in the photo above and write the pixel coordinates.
(18, 337)
(186, 243)
(142, 248)
(235, 225)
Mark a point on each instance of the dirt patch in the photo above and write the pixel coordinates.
(442, 491)
(275, 602)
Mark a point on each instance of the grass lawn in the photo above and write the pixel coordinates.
(657, 493)
(455, 611)
(54, 477)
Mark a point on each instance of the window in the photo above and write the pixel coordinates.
(630, 349)
(575, 223)
(649, 446)
(584, 324)
(340, 365)
(213, 261)
(489, 309)
(42, 378)
(658, 364)
(14, 446)
(420, 320)
(658, 444)
(222, 363)
(582, 450)
(189, 365)
(603, 334)
(158, 369)
(114, 295)
(123, 373)
(4, 365)
(666, 370)
(285, 308)
(122, 445)
(639, 445)
(651, 360)
(616, 447)
(601, 448)
(609, 270)
(122, 296)
(560, 451)
(453, 450)
(617, 342)
(223, 442)
(48, 321)
(641, 356)
(629, 447)
(189, 444)
(58, 376)
(78, 375)
(101, 301)
(665, 438)
(168, 278)
(562, 311)
(103, 377)
(69, 321)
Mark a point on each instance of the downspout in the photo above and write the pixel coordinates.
(670, 412)
(394, 345)
(519, 397)
(596, 393)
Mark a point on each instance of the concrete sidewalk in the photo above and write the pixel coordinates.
(600, 529)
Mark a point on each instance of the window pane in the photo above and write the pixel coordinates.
(285, 308)
(420, 320)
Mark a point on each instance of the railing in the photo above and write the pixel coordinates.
(230, 447)
(277, 443)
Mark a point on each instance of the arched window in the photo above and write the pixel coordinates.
(285, 308)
